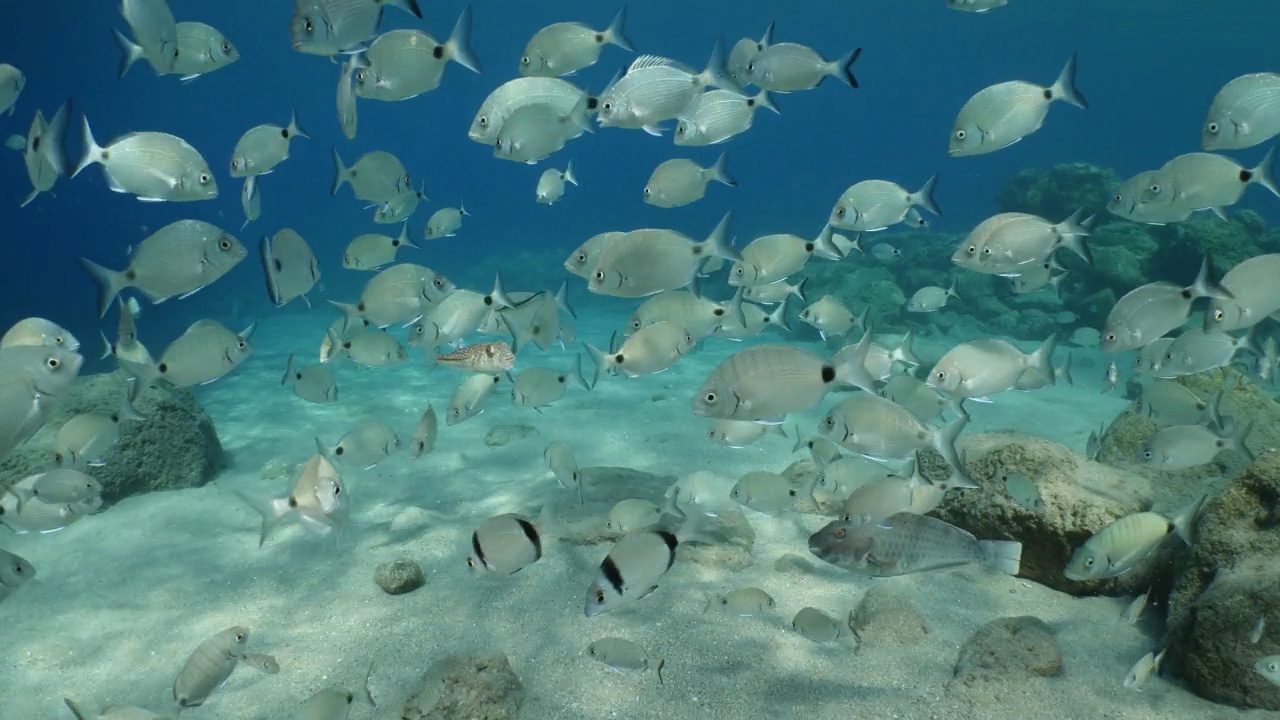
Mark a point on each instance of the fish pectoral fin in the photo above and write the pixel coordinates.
(646, 593)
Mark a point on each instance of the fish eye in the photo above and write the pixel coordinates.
(53, 363)
(239, 637)
(607, 105)
(635, 324)
(1110, 337)
(240, 344)
(482, 121)
(961, 134)
(1213, 127)
(204, 178)
(1089, 562)
(471, 562)
(525, 60)
(841, 533)
(225, 245)
(581, 257)
(599, 596)
(599, 275)
(419, 329)
(681, 128)
(647, 192)
(439, 283)
(309, 26)
(840, 211)
(1155, 188)
(846, 518)
(1146, 454)
(1117, 197)
(226, 47)
(986, 251)
(360, 76)
(1218, 314)
(973, 249)
(829, 422)
(591, 652)
(57, 458)
(709, 397)
(751, 66)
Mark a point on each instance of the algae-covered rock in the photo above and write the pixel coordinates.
(886, 614)
(399, 576)
(467, 687)
(1080, 498)
(1009, 648)
(1182, 245)
(174, 447)
(1231, 578)
(501, 435)
(1055, 194)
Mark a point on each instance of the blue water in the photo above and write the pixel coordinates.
(1148, 68)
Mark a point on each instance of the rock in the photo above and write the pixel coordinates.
(500, 435)
(175, 447)
(467, 687)
(1080, 498)
(1009, 648)
(399, 576)
(793, 563)
(887, 615)
(1054, 194)
(1231, 577)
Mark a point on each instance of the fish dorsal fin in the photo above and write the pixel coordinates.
(648, 61)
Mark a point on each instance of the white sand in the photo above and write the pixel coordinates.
(124, 596)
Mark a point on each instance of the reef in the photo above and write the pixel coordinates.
(474, 687)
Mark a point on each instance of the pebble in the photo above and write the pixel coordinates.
(399, 577)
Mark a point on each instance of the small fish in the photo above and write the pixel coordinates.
(620, 655)
(403, 64)
(740, 433)
(917, 397)
(873, 205)
(631, 570)
(982, 368)
(38, 332)
(560, 460)
(486, 357)
(655, 89)
(290, 265)
(38, 516)
(348, 116)
(632, 515)
(363, 446)
(1256, 633)
(1002, 114)
(771, 258)
(976, 6)
(770, 493)
(201, 49)
(1148, 665)
(562, 97)
(371, 250)
(679, 182)
(1244, 113)
(1016, 244)
(445, 222)
(932, 298)
(156, 167)
(815, 625)
(1186, 446)
(153, 26)
(504, 545)
(317, 500)
(209, 666)
(376, 177)
(1133, 611)
(424, 435)
(12, 82)
(551, 184)
(775, 292)
(333, 27)
(908, 543)
(1269, 668)
(401, 208)
(263, 147)
(534, 132)
(1197, 350)
(566, 47)
(1118, 547)
(205, 352)
(395, 295)
(651, 350)
(1022, 490)
(471, 393)
(87, 438)
(744, 602)
(177, 260)
(1113, 378)
(15, 572)
(885, 253)
(313, 383)
(788, 67)
(326, 704)
(540, 387)
(718, 115)
(1093, 445)
(744, 51)
(16, 142)
(44, 151)
(250, 200)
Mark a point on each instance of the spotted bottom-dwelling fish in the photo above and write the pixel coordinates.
(907, 543)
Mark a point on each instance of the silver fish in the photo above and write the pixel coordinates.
(1244, 113)
(177, 260)
(1197, 350)
(1002, 114)
(205, 352)
(371, 250)
(504, 545)
(153, 26)
(788, 67)
(562, 95)
(873, 205)
(1147, 313)
(1118, 547)
(631, 570)
(1254, 295)
(551, 184)
(377, 176)
(317, 499)
(87, 438)
(651, 350)
(1170, 403)
(981, 368)
(771, 258)
(655, 89)
(209, 666)
(471, 393)
(566, 47)
(348, 117)
(403, 64)
(250, 200)
(976, 6)
(620, 655)
(540, 387)
(879, 428)
(932, 298)
(15, 571)
(291, 267)
(646, 262)
(39, 332)
(680, 181)
(907, 543)
(201, 50)
(332, 27)
(817, 626)
(740, 433)
(44, 151)
(156, 167)
(115, 712)
(263, 147)
(717, 115)
(1205, 181)
(424, 435)
(1186, 446)
(533, 132)
(445, 222)
(313, 383)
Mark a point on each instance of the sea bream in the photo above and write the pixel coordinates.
(154, 28)
(512, 95)
(908, 543)
(873, 205)
(317, 500)
(290, 266)
(551, 184)
(12, 82)
(376, 177)
(333, 27)
(1117, 548)
(1244, 113)
(771, 258)
(175, 261)
(788, 67)
(209, 666)
(201, 50)
(646, 262)
(445, 222)
(650, 350)
(717, 115)
(1002, 114)
(403, 64)
(263, 147)
(564, 48)
(1147, 313)
(205, 352)
(985, 367)
(39, 332)
(535, 131)
(1205, 181)
(1255, 295)
(154, 166)
(681, 181)
(44, 151)
(879, 428)
(655, 89)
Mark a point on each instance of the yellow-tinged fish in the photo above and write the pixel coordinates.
(177, 260)
(209, 666)
(1118, 547)
(205, 352)
(566, 47)
(154, 166)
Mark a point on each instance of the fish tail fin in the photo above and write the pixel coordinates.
(616, 33)
(944, 441)
(800, 440)
(339, 173)
(462, 209)
(107, 350)
(798, 288)
(735, 307)
(409, 6)
(1072, 233)
(924, 196)
(109, 282)
(1184, 522)
(1042, 359)
(271, 510)
(778, 318)
(458, 46)
(1002, 555)
(716, 73)
(603, 362)
(1265, 173)
(130, 52)
(1056, 283)
(76, 710)
(575, 372)
(1064, 88)
(127, 410)
(1064, 372)
(694, 530)
(295, 130)
(951, 289)
(905, 353)
(826, 245)
(498, 297)
(959, 479)
(720, 171)
(717, 243)
(1204, 284)
(92, 152)
(404, 238)
(288, 370)
(845, 67)
(765, 100)
(562, 300)
(568, 174)
(852, 369)
(53, 146)
(521, 335)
